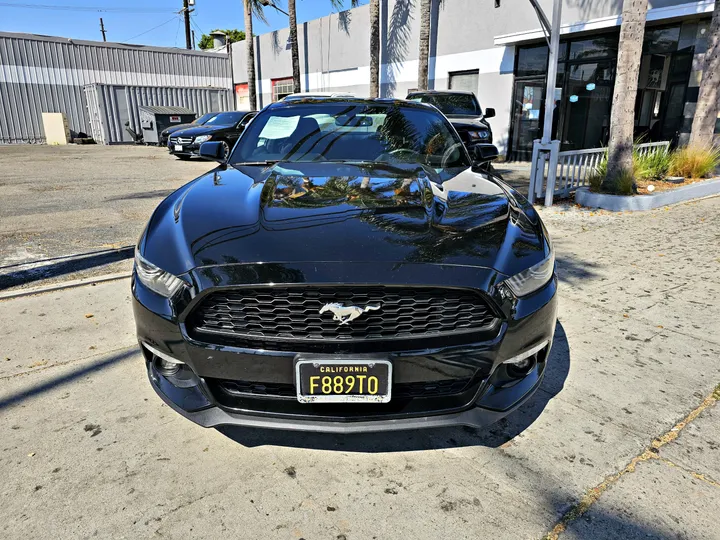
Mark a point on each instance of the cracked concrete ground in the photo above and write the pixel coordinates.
(88, 449)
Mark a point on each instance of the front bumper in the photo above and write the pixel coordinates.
(529, 321)
(191, 149)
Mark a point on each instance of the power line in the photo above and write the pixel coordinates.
(192, 20)
(151, 29)
(85, 8)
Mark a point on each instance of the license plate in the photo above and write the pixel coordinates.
(340, 381)
(178, 147)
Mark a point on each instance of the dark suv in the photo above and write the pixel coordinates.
(225, 128)
(463, 111)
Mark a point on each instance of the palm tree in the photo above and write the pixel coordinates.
(424, 56)
(374, 48)
(292, 15)
(703, 125)
(622, 120)
(252, 7)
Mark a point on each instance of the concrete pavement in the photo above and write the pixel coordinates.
(620, 442)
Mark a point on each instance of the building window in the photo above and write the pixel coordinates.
(464, 81)
(281, 88)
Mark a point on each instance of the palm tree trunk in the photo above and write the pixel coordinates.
(424, 56)
(622, 120)
(294, 47)
(703, 126)
(374, 48)
(250, 60)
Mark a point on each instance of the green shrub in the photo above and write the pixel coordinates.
(598, 175)
(621, 184)
(694, 161)
(651, 166)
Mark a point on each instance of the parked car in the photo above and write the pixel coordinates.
(464, 112)
(224, 127)
(165, 134)
(361, 276)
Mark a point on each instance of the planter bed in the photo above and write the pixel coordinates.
(639, 203)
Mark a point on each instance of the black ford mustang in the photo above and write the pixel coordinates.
(347, 268)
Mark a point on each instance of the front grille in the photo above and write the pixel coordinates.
(423, 389)
(181, 140)
(289, 319)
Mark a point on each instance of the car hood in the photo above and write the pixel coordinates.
(319, 212)
(201, 130)
(468, 122)
(175, 127)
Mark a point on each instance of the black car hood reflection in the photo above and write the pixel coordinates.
(313, 212)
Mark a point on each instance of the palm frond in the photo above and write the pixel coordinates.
(257, 10)
(340, 4)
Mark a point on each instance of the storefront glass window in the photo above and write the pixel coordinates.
(532, 61)
(662, 40)
(597, 47)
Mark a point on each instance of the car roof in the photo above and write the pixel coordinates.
(349, 101)
(303, 95)
(447, 92)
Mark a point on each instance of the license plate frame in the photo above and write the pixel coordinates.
(380, 397)
(178, 148)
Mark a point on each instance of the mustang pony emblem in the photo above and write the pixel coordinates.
(345, 314)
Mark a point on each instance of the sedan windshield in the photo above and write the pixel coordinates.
(226, 119)
(351, 132)
(451, 104)
(203, 119)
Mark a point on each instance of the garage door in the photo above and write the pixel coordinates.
(465, 81)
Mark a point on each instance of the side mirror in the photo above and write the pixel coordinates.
(214, 151)
(489, 112)
(481, 153)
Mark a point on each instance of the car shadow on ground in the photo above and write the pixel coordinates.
(426, 439)
(29, 272)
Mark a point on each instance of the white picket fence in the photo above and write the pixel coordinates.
(573, 168)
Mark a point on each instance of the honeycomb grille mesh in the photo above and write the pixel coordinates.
(292, 314)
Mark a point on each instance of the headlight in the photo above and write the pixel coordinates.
(482, 134)
(533, 278)
(203, 138)
(156, 279)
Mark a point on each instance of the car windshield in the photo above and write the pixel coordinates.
(351, 132)
(225, 119)
(451, 104)
(203, 119)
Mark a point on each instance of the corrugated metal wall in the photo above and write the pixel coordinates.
(47, 74)
(110, 106)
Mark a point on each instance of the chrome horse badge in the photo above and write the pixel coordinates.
(344, 314)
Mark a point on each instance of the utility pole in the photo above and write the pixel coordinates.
(193, 39)
(102, 29)
(186, 13)
(552, 71)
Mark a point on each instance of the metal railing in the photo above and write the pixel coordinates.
(572, 169)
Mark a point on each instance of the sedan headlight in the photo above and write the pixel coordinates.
(530, 280)
(476, 135)
(203, 138)
(156, 279)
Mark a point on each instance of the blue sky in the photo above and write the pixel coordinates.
(129, 20)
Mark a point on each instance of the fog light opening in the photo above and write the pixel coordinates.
(522, 367)
(165, 367)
